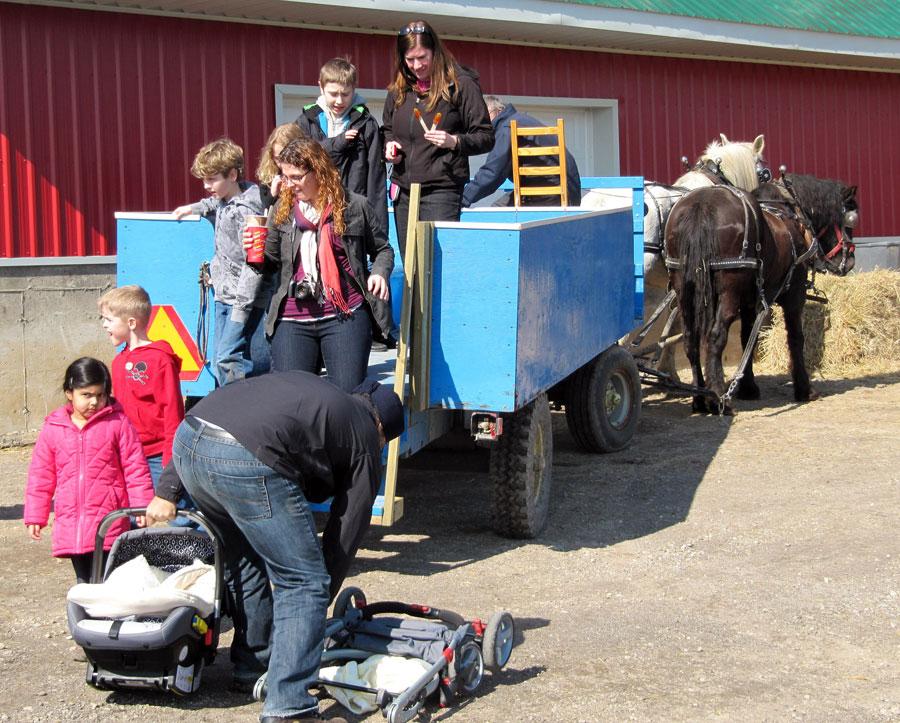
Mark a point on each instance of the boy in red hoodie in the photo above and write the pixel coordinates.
(145, 374)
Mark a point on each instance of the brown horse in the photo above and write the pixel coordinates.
(730, 258)
(723, 161)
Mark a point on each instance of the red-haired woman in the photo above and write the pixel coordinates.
(434, 119)
(321, 239)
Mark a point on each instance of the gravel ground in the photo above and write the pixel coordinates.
(737, 569)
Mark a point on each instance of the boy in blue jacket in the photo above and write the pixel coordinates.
(340, 121)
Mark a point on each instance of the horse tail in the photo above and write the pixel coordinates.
(696, 228)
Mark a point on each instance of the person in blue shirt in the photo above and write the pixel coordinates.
(498, 166)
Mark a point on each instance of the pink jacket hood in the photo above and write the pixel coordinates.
(85, 474)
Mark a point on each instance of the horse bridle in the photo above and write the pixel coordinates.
(843, 240)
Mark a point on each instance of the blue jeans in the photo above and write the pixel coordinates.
(239, 350)
(185, 503)
(343, 342)
(269, 543)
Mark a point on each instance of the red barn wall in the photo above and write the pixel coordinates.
(103, 112)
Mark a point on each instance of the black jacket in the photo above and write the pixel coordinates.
(309, 431)
(498, 166)
(466, 117)
(364, 236)
(361, 161)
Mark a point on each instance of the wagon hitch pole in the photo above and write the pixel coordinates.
(657, 312)
(653, 378)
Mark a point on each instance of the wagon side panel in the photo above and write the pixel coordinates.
(576, 296)
(164, 256)
(474, 308)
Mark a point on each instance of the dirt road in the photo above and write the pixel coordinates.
(737, 569)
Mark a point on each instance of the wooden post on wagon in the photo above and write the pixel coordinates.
(414, 293)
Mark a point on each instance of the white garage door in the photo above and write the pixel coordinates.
(592, 124)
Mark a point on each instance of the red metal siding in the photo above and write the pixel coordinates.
(103, 112)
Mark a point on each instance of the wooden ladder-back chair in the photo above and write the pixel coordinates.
(558, 169)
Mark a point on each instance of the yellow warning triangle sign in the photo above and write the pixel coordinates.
(166, 325)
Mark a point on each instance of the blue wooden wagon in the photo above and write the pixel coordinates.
(507, 312)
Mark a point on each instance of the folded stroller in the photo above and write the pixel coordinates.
(456, 652)
(162, 645)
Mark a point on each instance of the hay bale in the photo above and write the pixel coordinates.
(856, 333)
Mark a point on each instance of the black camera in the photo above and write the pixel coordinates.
(302, 290)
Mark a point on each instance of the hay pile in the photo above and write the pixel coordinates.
(856, 333)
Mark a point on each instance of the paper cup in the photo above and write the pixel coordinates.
(256, 226)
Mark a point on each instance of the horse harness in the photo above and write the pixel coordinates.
(711, 168)
(744, 261)
(656, 245)
(738, 262)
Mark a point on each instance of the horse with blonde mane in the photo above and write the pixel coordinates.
(722, 162)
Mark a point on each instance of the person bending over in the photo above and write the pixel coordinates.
(253, 455)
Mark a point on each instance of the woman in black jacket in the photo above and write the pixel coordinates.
(320, 239)
(434, 119)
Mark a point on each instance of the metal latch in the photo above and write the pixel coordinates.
(486, 426)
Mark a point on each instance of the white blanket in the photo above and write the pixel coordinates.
(137, 589)
(393, 674)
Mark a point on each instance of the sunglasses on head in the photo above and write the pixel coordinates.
(413, 29)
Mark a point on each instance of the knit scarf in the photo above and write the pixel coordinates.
(329, 273)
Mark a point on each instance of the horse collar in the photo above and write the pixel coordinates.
(713, 171)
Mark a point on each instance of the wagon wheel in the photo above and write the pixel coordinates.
(603, 402)
(499, 637)
(521, 471)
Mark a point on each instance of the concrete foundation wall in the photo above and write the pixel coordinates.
(878, 253)
(48, 318)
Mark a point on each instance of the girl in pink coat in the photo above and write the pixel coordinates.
(87, 461)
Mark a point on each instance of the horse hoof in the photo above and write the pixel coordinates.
(806, 395)
(698, 406)
(748, 391)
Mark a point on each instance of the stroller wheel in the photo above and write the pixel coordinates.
(469, 668)
(499, 637)
(349, 597)
(90, 675)
(396, 713)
